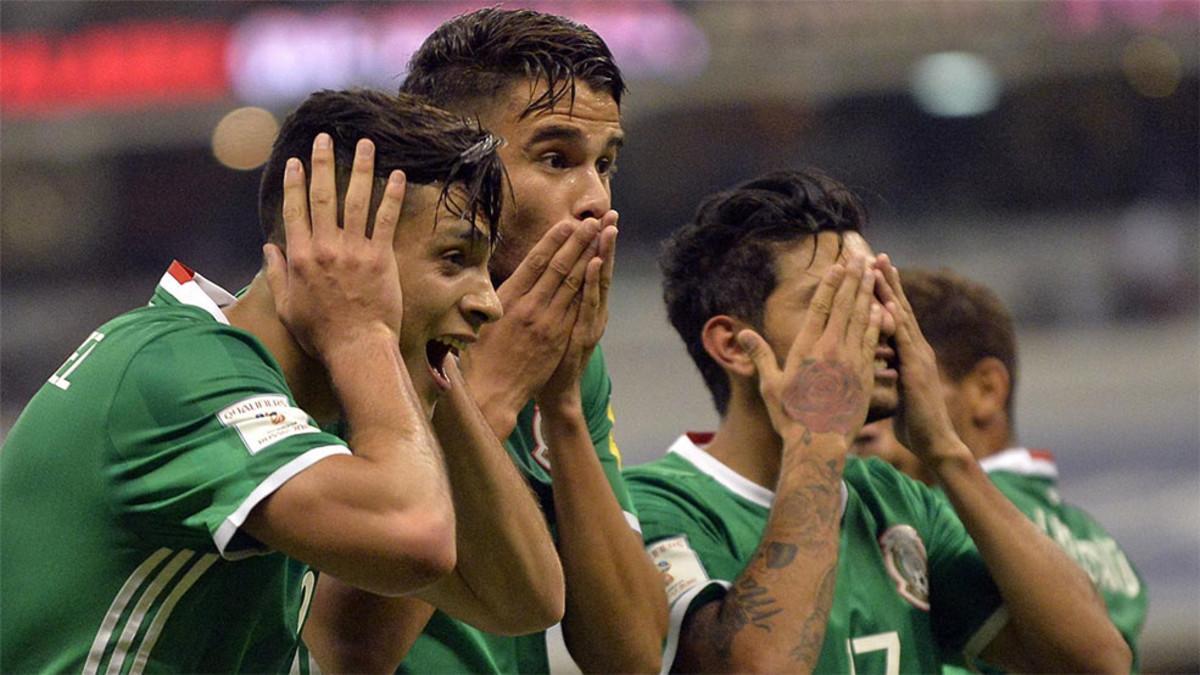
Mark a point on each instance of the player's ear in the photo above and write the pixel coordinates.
(719, 336)
(986, 390)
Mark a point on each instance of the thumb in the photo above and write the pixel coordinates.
(276, 271)
(759, 352)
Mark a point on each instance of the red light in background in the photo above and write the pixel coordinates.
(117, 66)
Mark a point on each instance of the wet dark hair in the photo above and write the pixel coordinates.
(431, 146)
(465, 63)
(964, 321)
(723, 262)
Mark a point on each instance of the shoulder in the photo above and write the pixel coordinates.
(670, 488)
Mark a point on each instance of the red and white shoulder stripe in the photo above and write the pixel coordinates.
(190, 288)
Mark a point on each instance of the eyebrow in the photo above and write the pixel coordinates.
(465, 231)
(564, 132)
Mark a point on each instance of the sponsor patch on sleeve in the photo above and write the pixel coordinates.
(262, 421)
(679, 566)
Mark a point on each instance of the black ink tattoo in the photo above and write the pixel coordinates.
(780, 554)
(824, 396)
(812, 635)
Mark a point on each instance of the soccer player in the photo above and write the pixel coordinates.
(779, 552)
(972, 334)
(550, 88)
(151, 489)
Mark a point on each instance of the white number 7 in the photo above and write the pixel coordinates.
(889, 642)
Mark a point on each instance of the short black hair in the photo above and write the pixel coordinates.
(964, 321)
(431, 146)
(465, 63)
(723, 262)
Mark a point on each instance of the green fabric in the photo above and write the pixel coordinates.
(1087, 542)
(121, 497)
(691, 504)
(450, 646)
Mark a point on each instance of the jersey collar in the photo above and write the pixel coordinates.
(1022, 461)
(189, 288)
(688, 446)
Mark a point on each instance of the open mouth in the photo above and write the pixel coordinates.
(886, 362)
(437, 351)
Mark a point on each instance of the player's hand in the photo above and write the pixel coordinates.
(922, 420)
(516, 355)
(336, 283)
(562, 391)
(825, 384)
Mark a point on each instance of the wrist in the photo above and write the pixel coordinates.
(352, 344)
(948, 456)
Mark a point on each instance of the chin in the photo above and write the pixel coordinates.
(884, 401)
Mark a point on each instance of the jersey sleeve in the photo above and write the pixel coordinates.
(967, 609)
(597, 409)
(203, 428)
(696, 564)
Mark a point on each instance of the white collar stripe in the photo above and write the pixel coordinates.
(1021, 461)
(730, 479)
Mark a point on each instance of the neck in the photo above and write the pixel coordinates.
(988, 439)
(747, 443)
(254, 313)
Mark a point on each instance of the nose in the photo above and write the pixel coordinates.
(594, 197)
(482, 306)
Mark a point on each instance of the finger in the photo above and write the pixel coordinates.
(535, 262)
(572, 284)
(892, 274)
(760, 353)
(562, 264)
(863, 303)
(322, 189)
(819, 307)
(844, 299)
(871, 337)
(277, 274)
(390, 207)
(609, 219)
(296, 226)
(589, 308)
(358, 194)
(608, 253)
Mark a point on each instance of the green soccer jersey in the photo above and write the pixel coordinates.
(124, 486)
(912, 590)
(449, 646)
(1029, 479)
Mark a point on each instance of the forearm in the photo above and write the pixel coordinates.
(387, 424)
(508, 579)
(774, 616)
(615, 595)
(1055, 614)
(380, 519)
(352, 631)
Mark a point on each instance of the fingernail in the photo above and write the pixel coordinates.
(292, 167)
(323, 142)
(365, 148)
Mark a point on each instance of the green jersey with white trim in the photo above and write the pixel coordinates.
(123, 489)
(912, 590)
(1029, 478)
(450, 646)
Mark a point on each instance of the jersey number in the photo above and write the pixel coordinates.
(880, 642)
(59, 378)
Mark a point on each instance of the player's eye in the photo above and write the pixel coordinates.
(456, 259)
(555, 160)
(606, 166)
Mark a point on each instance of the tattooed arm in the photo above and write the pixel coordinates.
(773, 617)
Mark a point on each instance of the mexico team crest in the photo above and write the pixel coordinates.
(906, 563)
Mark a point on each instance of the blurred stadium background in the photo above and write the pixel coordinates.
(1048, 149)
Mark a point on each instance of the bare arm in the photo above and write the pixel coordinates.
(614, 593)
(382, 518)
(1057, 621)
(773, 618)
(507, 581)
